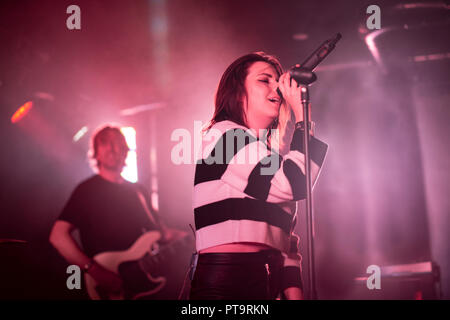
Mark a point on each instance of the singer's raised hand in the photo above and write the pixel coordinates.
(292, 94)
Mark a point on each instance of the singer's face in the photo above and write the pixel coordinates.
(262, 103)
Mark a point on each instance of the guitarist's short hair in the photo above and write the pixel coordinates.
(97, 136)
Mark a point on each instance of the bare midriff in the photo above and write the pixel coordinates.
(237, 247)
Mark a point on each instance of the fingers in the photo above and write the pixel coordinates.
(287, 82)
(291, 92)
(289, 87)
(281, 83)
(284, 83)
(294, 84)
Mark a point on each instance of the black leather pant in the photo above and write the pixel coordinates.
(237, 276)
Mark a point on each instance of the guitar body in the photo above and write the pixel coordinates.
(134, 266)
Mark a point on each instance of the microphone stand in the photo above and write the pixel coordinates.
(309, 208)
(305, 76)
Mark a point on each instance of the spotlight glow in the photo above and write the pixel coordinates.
(22, 112)
(77, 136)
(130, 171)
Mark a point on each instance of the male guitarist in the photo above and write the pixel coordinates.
(109, 212)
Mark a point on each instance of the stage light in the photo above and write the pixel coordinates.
(44, 96)
(300, 36)
(21, 112)
(77, 136)
(130, 171)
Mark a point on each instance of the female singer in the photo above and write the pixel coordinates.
(246, 186)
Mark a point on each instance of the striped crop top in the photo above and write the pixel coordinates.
(244, 192)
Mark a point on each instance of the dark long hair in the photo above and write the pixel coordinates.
(231, 90)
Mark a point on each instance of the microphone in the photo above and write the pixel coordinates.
(303, 73)
(317, 56)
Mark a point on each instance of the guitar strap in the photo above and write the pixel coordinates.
(147, 210)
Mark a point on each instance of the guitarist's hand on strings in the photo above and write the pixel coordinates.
(107, 281)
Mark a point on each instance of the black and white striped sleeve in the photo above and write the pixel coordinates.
(267, 176)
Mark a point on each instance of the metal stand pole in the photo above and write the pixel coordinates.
(304, 76)
(309, 200)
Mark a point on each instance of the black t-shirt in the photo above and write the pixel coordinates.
(109, 216)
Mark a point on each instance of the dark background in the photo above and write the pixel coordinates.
(382, 197)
